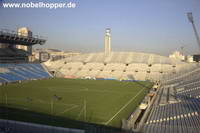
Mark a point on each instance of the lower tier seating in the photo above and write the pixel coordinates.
(19, 72)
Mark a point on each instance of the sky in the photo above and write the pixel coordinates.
(152, 26)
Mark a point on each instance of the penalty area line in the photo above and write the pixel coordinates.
(79, 115)
(106, 123)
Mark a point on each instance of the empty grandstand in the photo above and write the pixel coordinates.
(119, 65)
(176, 108)
(21, 72)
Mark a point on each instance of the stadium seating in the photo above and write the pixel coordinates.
(177, 106)
(20, 72)
(93, 73)
(82, 73)
(119, 65)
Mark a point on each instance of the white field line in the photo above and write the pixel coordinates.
(25, 108)
(126, 83)
(123, 107)
(68, 109)
(80, 112)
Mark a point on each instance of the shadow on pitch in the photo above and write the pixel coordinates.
(45, 119)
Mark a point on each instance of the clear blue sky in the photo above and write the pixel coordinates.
(155, 26)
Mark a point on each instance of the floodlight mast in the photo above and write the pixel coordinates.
(190, 18)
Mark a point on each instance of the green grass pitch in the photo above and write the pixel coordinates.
(104, 102)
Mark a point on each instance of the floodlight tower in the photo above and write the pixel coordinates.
(190, 18)
(108, 42)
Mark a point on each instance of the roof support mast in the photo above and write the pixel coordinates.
(190, 18)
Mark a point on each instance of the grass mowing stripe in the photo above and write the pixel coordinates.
(124, 107)
(86, 89)
(68, 109)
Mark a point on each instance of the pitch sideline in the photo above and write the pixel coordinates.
(106, 123)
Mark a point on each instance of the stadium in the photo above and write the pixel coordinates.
(78, 93)
(51, 91)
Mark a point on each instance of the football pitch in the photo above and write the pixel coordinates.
(104, 102)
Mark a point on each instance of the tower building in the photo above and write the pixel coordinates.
(24, 31)
(108, 42)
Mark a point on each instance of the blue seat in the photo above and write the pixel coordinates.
(23, 72)
(2, 81)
